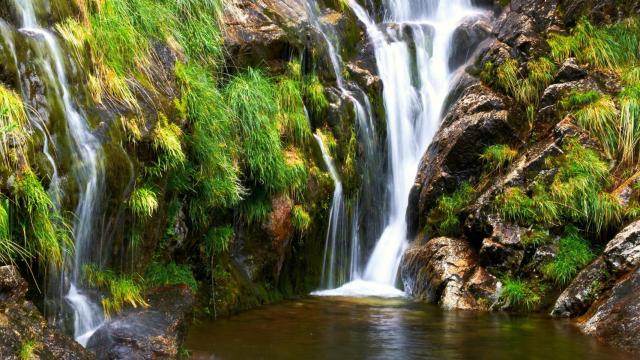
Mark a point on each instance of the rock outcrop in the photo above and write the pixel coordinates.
(154, 332)
(444, 271)
(22, 325)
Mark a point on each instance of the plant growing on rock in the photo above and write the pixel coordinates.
(444, 218)
(497, 157)
(300, 218)
(517, 293)
(122, 289)
(574, 254)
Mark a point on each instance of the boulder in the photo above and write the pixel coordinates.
(466, 39)
(620, 256)
(576, 299)
(154, 332)
(261, 31)
(21, 322)
(617, 319)
(477, 119)
(502, 252)
(445, 271)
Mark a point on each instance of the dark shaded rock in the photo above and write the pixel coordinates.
(466, 39)
(597, 10)
(570, 71)
(502, 252)
(445, 271)
(621, 255)
(617, 320)
(20, 321)
(261, 31)
(578, 297)
(155, 332)
(476, 120)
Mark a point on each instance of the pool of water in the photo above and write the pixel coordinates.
(368, 328)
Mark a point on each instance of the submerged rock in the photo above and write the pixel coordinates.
(444, 271)
(21, 323)
(156, 332)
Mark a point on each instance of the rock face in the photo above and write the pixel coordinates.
(156, 332)
(620, 256)
(261, 31)
(444, 271)
(617, 319)
(21, 323)
(477, 119)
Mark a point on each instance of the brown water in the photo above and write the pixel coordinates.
(333, 328)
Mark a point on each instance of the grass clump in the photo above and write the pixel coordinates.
(444, 218)
(218, 240)
(524, 89)
(252, 97)
(122, 289)
(13, 127)
(605, 47)
(213, 146)
(497, 157)
(167, 140)
(576, 194)
(48, 236)
(29, 349)
(517, 293)
(314, 94)
(574, 254)
(159, 274)
(300, 218)
(143, 202)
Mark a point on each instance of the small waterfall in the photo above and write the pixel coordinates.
(86, 153)
(412, 48)
(343, 250)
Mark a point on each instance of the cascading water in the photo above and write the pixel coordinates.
(342, 256)
(415, 38)
(85, 152)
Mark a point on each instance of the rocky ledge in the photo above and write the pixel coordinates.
(23, 330)
(154, 332)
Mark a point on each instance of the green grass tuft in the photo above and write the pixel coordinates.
(574, 254)
(497, 157)
(300, 218)
(444, 218)
(159, 274)
(143, 202)
(518, 294)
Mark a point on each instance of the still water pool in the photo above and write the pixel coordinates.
(369, 328)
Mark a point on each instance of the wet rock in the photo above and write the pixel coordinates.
(261, 31)
(570, 71)
(280, 227)
(617, 319)
(476, 120)
(466, 39)
(576, 299)
(21, 321)
(622, 254)
(502, 252)
(155, 332)
(445, 271)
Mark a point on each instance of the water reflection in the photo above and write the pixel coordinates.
(365, 328)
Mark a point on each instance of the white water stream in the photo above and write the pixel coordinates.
(86, 150)
(412, 48)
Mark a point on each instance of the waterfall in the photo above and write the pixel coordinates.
(412, 48)
(341, 260)
(85, 152)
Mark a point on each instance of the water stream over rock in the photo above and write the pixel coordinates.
(412, 49)
(84, 149)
